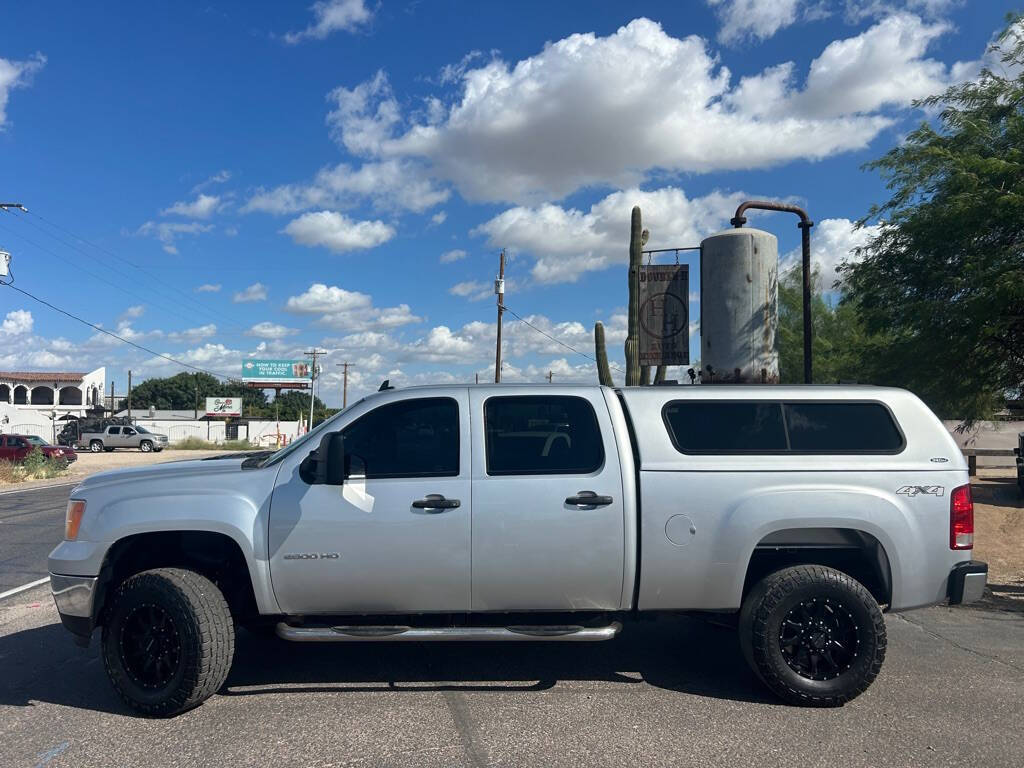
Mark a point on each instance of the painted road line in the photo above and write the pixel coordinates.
(39, 488)
(24, 587)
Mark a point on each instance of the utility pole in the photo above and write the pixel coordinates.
(195, 378)
(549, 376)
(344, 383)
(499, 289)
(129, 397)
(314, 353)
(111, 398)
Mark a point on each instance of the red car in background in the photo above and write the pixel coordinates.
(17, 448)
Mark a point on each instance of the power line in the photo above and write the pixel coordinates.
(210, 311)
(114, 335)
(557, 341)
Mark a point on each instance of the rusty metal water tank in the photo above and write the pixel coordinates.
(739, 307)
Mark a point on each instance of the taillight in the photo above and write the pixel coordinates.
(73, 519)
(961, 518)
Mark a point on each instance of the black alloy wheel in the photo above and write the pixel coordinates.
(818, 638)
(150, 646)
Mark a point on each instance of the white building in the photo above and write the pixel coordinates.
(60, 391)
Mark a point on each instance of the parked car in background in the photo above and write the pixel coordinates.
(18, 447)
(123, 436)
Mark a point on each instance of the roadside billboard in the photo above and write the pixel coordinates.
(274, 373)
(664, 314)
(223, 406)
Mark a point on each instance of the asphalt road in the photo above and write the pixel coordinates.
(31, 525)
(673, 692)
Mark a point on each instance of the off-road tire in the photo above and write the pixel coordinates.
(96, 446)
(202, 621)
(146, 446)
(760, 624)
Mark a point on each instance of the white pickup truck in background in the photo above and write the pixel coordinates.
(534, 513)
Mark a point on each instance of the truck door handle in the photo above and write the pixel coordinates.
(589, 499)
(436, 501)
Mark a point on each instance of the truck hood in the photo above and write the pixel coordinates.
(170, 469)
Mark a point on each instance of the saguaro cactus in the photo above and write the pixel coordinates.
(632, 333)
(604, 373)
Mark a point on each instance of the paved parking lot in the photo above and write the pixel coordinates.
(673, 692)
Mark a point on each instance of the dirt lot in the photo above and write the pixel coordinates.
(999, 535)
(91, 463)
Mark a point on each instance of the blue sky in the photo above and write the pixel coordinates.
(254, 179)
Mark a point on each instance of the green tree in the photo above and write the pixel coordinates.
(838, 341)
(294, 404)
(180, 392)
(943, 281)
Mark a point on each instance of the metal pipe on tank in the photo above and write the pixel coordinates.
(805, 246)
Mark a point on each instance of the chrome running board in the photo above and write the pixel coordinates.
(360, 634)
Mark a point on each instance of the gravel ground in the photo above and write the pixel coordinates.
(90, 463)
(999, 536)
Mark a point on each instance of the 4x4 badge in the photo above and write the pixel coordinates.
(914, 490)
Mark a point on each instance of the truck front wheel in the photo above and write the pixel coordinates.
(814, 635)
(168, 641)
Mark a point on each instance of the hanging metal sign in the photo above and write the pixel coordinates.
(664, 314)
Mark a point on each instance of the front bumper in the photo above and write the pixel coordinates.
(75, 597)
(967, 582)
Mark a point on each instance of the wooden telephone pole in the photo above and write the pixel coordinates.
(344, 384)
(499, 289)
(549, 376)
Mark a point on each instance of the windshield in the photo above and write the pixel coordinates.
(313, 435)
(143, 430)
(36, 440)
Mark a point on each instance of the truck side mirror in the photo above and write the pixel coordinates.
(325, 465)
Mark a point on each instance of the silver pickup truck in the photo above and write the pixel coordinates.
(123, 436)
(533, 513)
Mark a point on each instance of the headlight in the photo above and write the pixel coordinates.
(73, 519)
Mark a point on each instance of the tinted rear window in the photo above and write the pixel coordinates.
(698, 427)
(775, 427)
(539, 435)
(841, 427)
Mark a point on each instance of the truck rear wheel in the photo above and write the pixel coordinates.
(814, 635)
(95, 446)
(168, 641)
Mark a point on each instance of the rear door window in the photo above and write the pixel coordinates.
(114, 431)
(541, 435)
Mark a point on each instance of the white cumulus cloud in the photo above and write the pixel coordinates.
(590, 110)
(16, 74)
(346, 310)
(255, 292)
(203, 207)
(17, 322)
(268, 330)
(833, 241)
(569, 242)
(455, 254)
(332, 16)
(337, 232)
(759, 19)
